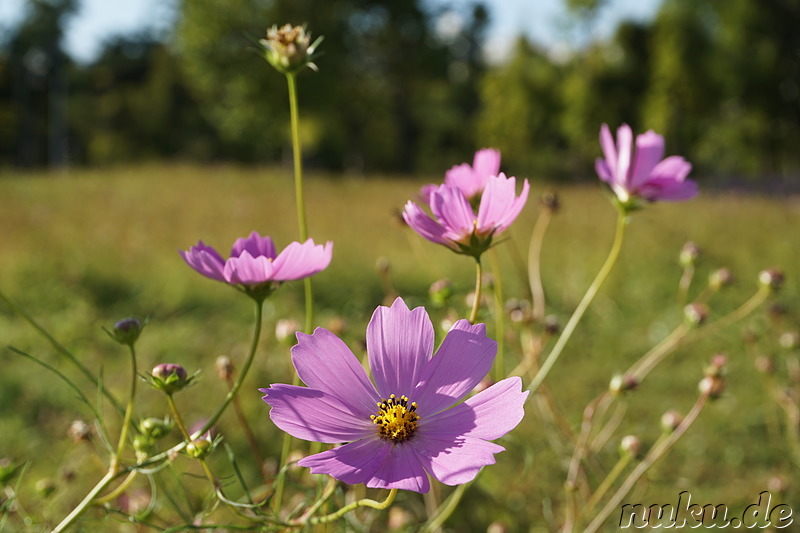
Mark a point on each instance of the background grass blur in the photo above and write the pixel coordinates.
(83, 250)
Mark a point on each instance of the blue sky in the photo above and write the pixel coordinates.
(543, 21)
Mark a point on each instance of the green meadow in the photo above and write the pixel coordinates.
(83, 249)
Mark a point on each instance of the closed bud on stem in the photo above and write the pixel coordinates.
(80, 431)
(156, 428)
(630, 446)
(771, 278)
(285, 330)
(170, 378)
(519, 311)
(621, 383)
(720, 278)
(695, 314)
(689, 255)
(143, 445)
(550, 201)
(224, 367)
(712, 386)
(45, 487)
(717, 365)
(551, 325)
(199, 448)
(126, 331)
(670, 421)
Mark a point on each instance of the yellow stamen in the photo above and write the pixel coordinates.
(396, 418)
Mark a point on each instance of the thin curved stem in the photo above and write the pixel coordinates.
(476, 304)
(347, 508)
(607, 482)
(534, 263)
(569, 329)
(447, 509)
(123, 434)
(500, 326)
(658, 450)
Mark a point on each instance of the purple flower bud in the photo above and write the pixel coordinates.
(126, 331)
(622, 383)
(695, 314)
(169, 377)
(720, 278)
(712, 386)
(670, 421)
(717, 365)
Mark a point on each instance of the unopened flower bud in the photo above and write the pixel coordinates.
(156, 427)
(790, 340)
(551, 325)
(126, 331)
(383, 266)
(80, 431)
(622, 383)
(720, 278)
(224, 367)
(716, 366)
(519, 310)
(440, 291)
(695, 314)
(169, 377)
(550, 201)
(670, 421)
(143, 445)
(286, 330)
(45, 487)
(630, 446)
(689, 254)
(289, 48)
(771, 278)
(199, 448)
(712, 386)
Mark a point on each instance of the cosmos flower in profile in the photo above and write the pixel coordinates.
(457, 226)
(470, 179)
(254, 265)
(410, 422)
(640, 174)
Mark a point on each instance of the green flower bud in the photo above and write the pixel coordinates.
(289, 48)
(144, 445)
(713, 386)
(622, 383)
(689, 254)
(199, 448)
(670, 421)
(156, 427)
(630, 446)
(720, 278)
(695, 314)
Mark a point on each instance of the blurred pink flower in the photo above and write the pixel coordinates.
(409, 420)
(457, 226)
(641, 174)
(471, 180)
(254, 265)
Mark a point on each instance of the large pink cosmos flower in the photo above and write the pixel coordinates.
(254, 265)
(641, 174)
(405, 425)
(470, 179)
(456, 225)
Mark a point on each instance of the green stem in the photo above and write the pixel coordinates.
(651, 359)
(584, 303)
(534, 263)
(81, 507)
(607, 482)
(658, 450)
(123, 434)
(447, 509)
(476, 304)
(499, 312)
(347, 508)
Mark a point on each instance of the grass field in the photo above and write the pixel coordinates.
(84, 249)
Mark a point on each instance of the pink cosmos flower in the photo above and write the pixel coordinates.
(641, 173)
(406, 425)
(254, 265)
(470, 179)
(456, 225)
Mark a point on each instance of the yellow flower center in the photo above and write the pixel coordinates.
(396, 418)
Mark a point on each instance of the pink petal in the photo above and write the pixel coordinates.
(299, 261)
(402, 469)
(423, 224)
(488, 415)
(462, 361)
(513, 211)
(248, 270)
(498, 196)
(325, 363)
(451, 208)
(426, 191)
(352, 463)
(486, 163)
(649, 151)
(314, 415)
(609, 150)
(205, 260)
(464, 178)
(255, 244)
(454, 462)
(624, 149)
(673, 167)
(603, 170)
(399, 344)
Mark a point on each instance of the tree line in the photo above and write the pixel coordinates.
(397, 93)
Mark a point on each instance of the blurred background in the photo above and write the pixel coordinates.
(405, 86)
